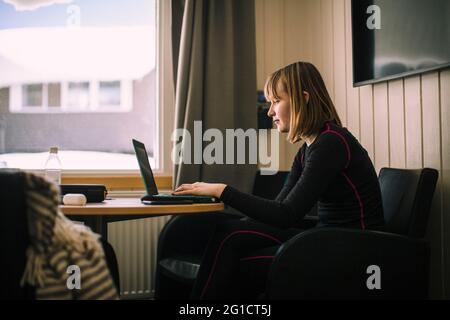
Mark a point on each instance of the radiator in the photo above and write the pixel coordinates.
(135, 243)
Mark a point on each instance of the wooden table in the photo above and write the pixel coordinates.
(97, 215)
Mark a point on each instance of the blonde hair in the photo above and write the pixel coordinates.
(307, 118)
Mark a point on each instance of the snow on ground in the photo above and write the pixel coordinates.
(73, 160)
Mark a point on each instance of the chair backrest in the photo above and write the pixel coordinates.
(407, 197)
(14, 238)
(268, 186)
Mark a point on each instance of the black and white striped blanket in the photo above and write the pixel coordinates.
(64, 260)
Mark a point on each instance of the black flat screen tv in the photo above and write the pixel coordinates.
(398, 38)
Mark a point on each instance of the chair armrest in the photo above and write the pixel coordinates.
(332, 263)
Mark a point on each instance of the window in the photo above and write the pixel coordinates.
(93, 96)
(78, 95)
(79, 80)
(32, 95)
(109, 94)
(54, 95)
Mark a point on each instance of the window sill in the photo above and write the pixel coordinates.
(117, 182)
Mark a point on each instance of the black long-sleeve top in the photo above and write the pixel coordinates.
(335, 172)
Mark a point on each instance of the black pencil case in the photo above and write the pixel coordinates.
(93, 192)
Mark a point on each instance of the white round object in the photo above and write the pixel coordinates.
(74, 199)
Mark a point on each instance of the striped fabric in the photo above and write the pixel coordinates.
(56, 244)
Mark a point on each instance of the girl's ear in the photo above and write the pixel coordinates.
(306, 96)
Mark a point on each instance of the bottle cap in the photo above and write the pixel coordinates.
(54, 150)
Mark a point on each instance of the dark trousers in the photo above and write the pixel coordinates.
(238, 258)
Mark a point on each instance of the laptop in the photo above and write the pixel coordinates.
(153, 196)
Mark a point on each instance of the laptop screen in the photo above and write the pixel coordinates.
(144, 165)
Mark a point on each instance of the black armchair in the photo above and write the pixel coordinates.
(335, 263)
(323, 263)
(14, 237)
(184, 238)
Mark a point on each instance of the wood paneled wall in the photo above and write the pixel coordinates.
(402, 123)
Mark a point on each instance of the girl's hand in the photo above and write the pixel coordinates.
(200, 189)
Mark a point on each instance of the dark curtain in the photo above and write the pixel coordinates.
(215, 81)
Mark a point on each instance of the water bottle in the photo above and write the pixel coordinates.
(53, 166)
